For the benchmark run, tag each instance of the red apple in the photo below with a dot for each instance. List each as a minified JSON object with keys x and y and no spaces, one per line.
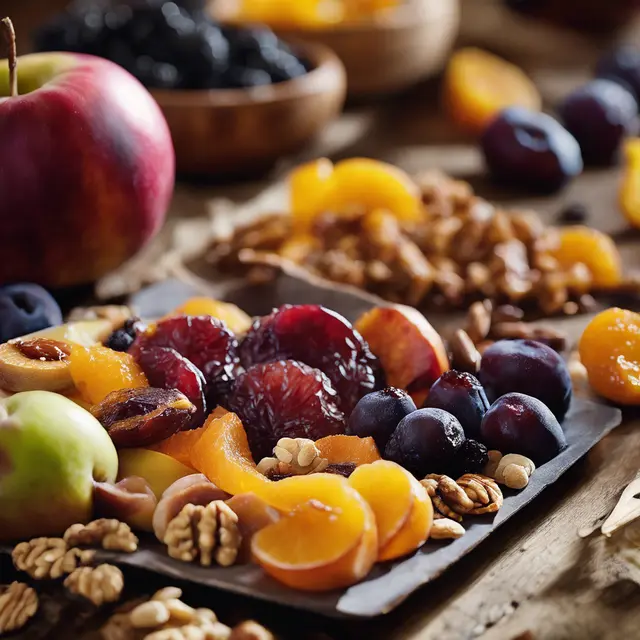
{"x":86,"y":169}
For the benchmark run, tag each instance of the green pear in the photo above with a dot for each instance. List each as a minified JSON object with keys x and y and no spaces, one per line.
{"x":51,"y":453}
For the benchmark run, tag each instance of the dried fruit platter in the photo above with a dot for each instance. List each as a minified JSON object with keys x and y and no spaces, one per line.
{"x":391,"y":582}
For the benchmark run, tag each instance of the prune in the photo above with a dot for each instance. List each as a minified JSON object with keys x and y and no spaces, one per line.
{"x":25,"y":308}
{"x":462,"y":395}
{"x":471,"y":457}
{"x":203,"y":340}
{"x":528,"y":367}
{"x":285,"y":399}
{"x":532,"y":150}
{"x":517,"y":423}
{"x":378,"y":414}
{"x":425,"y":441}
{"x":321,"y":338}
{"x":166,"y":369}
{"x":600,"y":115}
{"x":623,"y":66}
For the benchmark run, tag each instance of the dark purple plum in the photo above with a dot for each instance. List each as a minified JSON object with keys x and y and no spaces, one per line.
{"x":600,"y":115}
{"x":378,"y":414}
{"x":462,"y":395}
{"x":524,"y":148}
{"x":623,"y":66}
{"x":425,"y":442}
{"x":517,"y":423}
{"x":530,"y":367}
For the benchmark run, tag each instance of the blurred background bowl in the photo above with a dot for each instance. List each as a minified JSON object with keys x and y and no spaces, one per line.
{"x":235,"y":132}
{"x":386,"y":54}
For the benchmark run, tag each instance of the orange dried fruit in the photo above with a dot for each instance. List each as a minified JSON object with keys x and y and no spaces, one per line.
{"x":596,"y":250}
{"x":222,"y":453}
{"x":320,"y":546}
{"x":234,"y":317}
{"x":410,"y":350}
{"x":341,"y":449}
{"x":610,"y":351}
{"x":478,"y":85}
{"x":415,"y":531}
{"x":97,"y":371}
{"x":388,"y":489}
{"x":309,"y":186}
{"x":630,"y":187}
{"x":363,"y":184}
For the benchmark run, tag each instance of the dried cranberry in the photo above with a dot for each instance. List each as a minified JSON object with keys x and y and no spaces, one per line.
{"x":166,"y":369}
{"x":321,"y":338}
{"x":285,"y":399}
{"x":205,"y":341}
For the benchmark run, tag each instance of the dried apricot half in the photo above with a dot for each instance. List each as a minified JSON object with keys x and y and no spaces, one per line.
{"x":341,"y":449}
{"x":610,"y":352}
{"x":478,"y":84}
{"x":335,"y":545}
{"x":630,"y":186}
{"x":596,"y":250}
{"x":309,"y":186}
{"x":234,"y":317}
{"x":388,"y":489}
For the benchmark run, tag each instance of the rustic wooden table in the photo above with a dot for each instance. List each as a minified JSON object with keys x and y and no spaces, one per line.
{"x":536,"y":577}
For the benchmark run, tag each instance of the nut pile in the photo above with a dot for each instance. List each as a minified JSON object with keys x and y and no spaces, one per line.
{"x":293,"y":457}
{"x":464,"y":249}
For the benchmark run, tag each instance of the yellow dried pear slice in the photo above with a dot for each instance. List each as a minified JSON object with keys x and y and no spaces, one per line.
{"x":19,"y":372}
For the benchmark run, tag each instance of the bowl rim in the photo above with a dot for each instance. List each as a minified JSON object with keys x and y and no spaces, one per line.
{"x":410,"y":14}
{"x":326,"y":74}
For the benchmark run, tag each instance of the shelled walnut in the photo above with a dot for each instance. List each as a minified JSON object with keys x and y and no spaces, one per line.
{"x":49,"y":558}
{"x":205,"y":533}
{"x":293,"y":456}
{"x":105,"y":532}
{"x":100,"y":584}
{"x":18,"y":604}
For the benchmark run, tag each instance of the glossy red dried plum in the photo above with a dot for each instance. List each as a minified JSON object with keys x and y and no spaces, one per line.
{"x":320,"y":338}
{"x":285,"y":399}
{"x":166,"y":369}
{"x":205,"y":341}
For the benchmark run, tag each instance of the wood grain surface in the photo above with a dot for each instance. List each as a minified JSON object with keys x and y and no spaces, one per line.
{"x":537,"y":577}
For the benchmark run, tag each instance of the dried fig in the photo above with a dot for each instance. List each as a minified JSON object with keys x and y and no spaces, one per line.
{"x":194,"y":489}
{"x":140,"y":417}
{"x":131,"y":500}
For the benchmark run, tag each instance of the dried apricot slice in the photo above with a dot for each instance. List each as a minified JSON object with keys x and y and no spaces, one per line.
{"x":309,"y":186}
{"x":610,"y":351}
{"x":596,"y":250}
{"x":388,"y":489}
{"x":366,"y":184}
{"x":97,"y":371}
{"x":410,"y":350}
{"x":630,"y":186}
{"x":335,"y":544}
{"x":478,"y":84}
{"x":233,"y":316}
{"x":415,"y":531}
{"x":341,"y":449}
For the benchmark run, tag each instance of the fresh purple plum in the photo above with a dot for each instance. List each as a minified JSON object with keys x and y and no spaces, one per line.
{"x":600,"y":115}
{"x":425,"y":442}
{"x":378,"y":414}
{"x":517,"y":423}
{"x":462,"y":395}
{"x":529,"y":367}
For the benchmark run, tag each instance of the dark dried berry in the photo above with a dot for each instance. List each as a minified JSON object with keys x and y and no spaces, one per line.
{"x":203,"y":340}
{"x":285,"y":399}
{"x":119,"y":340}
{"x":471,"y":457}
{"x":341,"y":469}
{"x":321,"y":338}
{"x":573,"y":213}
{"x":166,"y":369}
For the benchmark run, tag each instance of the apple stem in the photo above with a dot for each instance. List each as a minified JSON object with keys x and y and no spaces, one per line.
{"x":10,"y":35}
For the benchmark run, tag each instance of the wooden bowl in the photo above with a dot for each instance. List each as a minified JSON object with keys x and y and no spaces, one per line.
{"x":388,"y":54}
{"x":234,"y":132}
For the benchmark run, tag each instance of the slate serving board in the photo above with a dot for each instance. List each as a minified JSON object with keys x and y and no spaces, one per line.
{"x":390,"y":583}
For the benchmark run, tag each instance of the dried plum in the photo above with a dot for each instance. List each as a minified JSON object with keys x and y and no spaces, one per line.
{"x":320,"y":338}
{"x":285,"y":399}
